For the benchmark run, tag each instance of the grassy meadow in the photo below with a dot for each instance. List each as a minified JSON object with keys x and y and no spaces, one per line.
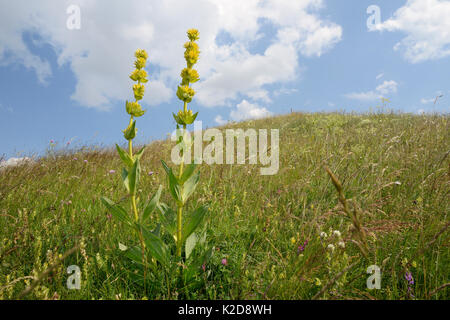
{"x":268,"y":232}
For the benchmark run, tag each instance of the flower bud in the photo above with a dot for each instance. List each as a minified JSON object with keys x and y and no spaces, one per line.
{"x":130,"y":132}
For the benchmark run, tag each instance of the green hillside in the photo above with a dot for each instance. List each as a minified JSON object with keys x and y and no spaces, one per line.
{"x":395,"y":174}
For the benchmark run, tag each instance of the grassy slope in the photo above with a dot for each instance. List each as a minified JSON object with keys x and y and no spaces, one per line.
{"x":45,"y":208}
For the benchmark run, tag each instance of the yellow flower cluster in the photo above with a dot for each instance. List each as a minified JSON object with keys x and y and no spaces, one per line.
{"x":140,"y":76}
{"x":185,"y":93}
{"x":188,"y":76}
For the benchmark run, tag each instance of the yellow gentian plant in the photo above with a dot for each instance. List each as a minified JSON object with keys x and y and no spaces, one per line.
{"x":150,"y":244}
{"x":183,"y":183}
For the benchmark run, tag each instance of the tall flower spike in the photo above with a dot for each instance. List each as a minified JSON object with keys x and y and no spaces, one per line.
{"x":183,"y":118}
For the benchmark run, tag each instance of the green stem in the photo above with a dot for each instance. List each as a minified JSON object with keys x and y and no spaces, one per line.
{"x":136,"y":215}
{"x":180,"y":207}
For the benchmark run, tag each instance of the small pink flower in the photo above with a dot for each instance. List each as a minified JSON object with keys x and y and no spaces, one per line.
{"x":75,"y":159}
{"x":224,"y":262}
{"x":150,"y":173}
{"x":112,"y":171}
{"x":204,"y":267}
{"x":85,"y":161}
{"x":109,"y":216}
{"x":52,"y":141}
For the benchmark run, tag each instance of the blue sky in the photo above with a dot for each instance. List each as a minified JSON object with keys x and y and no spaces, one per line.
{"x":258,"y":58}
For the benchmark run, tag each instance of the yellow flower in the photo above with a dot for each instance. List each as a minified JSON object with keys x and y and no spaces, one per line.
{"x":183,"y":118}
{"x":134,"y":109}
{"x":141,"y":54}
{"x":189,"y":76}
{"x":192,"y":53}
{"x":185,"y":93}
{"x":139,"y":90}
{"x":317,"y":282}
{"x":293,"y":240}
{"x":139,"y":75}
{"x":140,"y":63}
{"x":193,"y":34}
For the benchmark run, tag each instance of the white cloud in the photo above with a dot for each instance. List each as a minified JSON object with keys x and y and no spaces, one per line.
{"x":100,"y":53}
{"x":427,"y":28}
{"x":13,"y":162}
{"x":427,"y":101}
{"x":284,"y":91}
{"x":380,"y":76}
{"x":246,"y":110}
{"x":220,"y":121}
{"x":387,"y":87}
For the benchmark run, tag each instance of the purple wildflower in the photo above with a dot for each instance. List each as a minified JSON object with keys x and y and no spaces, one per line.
{"x":112,"y":171}
{"x":409,"y":278}
{"x":224,"y":262}
{"x":302,"y":247}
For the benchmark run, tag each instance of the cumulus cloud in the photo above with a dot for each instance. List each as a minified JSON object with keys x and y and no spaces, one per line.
{"x":100,"y":53}
{"x":246,"y":110}
{"x":427,"y":29}
{"x":387,"y":87}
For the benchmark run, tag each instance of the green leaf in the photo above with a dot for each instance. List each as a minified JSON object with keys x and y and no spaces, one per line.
{"x":125,"y":179}
{"x":191,"y":241}
{"x":133,"y":177}
{"x":189,"y":170}
{"x":168,"y":217}
{"x":117,"y":211}
{"x":189,"y":187}
{"x":155,"y":246}
{"x":192,"y":222}
{"x":174,"y":187}
{"x":152,"y":204}
{"x":139,"y":154}
{"x":134,"y":254}
{"x":126,"y":159}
